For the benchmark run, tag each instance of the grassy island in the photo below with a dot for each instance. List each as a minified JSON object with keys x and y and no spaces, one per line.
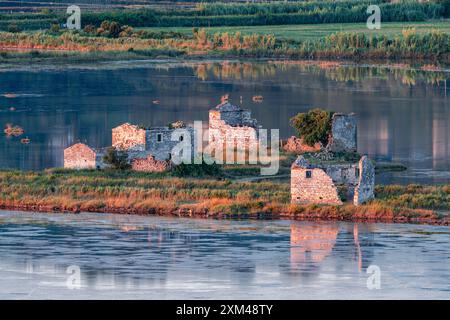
{"x":232,"y":192}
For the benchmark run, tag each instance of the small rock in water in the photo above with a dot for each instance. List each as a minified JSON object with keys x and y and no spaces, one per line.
{"x":11,"y":130}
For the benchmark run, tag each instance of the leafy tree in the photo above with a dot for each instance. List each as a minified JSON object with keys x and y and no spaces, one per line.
{"x":313,"y":126}
{"x":117,"y":159}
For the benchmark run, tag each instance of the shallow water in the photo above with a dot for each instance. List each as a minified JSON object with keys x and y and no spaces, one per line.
{"x":126,"y":257}
{"x":404,"y":115}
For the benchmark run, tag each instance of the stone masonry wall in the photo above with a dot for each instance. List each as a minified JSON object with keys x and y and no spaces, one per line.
{"x":150,"y":164}
{"x":128,"y":137}
{"x":162,"y":149}
{"x":318,"y":189}
{"x":364,"y":191}
{"x":342,"y":173}
{"x":79,"y":156}
{"x":343,"y":133}
{"x":234,"y":128}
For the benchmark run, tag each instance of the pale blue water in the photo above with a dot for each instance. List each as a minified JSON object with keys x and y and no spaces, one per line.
{"x":124,"y":257}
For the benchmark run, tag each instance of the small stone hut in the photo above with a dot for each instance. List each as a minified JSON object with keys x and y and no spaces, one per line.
{"x":81,"y":156}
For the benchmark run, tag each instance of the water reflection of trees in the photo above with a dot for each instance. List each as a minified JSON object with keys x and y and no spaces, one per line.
{"x":332,"y":71}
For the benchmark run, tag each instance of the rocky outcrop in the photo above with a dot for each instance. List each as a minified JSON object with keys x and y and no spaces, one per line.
{"x":296,"y":145}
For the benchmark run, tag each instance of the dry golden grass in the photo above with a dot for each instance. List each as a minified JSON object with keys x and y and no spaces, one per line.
{"x":162,"y":193}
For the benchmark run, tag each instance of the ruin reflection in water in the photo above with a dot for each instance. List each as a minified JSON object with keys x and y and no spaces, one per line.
{"x":153,"y":257}
{"x":403,"y":114}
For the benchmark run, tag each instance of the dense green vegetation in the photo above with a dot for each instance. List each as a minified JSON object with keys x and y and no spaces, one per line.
{"x":302,"y":32}
{"x":313,"y":126}
{"x":116,"y":159}
{"x":241,"y":14}
{"x":115,"y":31}
{"x":410,"y":44}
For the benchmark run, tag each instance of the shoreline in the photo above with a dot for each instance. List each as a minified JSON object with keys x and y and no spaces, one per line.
{"x":33,"y":56}
{"x":186,"y":213}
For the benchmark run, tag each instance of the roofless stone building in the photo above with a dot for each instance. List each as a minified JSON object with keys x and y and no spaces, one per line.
{"x":148,"y":149}
{"x":331,"y":183}
{"x":232,"y":125}
{"x":327,"y":178}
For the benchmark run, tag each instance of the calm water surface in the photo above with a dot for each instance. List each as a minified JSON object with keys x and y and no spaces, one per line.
{"x":128,"y":257}
{"x":404,"y":115}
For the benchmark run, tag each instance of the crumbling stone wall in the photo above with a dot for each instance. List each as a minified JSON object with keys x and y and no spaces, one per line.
{"x":342,"y":173}
{"x":364,"y":191}
{"x":150,"y":164}
{"x":343,"y":133}
{"x":128,"y":137}
{"x":310,"y":184}
{"x":319,"y":188}
{"x":81,"y":156}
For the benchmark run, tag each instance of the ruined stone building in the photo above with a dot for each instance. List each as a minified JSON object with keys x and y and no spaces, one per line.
{"x":148,"y":149}
{"x":323,"y":182}
{"x":231,"y":125}
{"x":155,"y":141}
{"x":81,"y":156}
{"x":324,"y":178}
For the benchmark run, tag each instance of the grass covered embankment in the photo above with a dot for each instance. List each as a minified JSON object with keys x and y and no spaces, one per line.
{"x":221,"y":196}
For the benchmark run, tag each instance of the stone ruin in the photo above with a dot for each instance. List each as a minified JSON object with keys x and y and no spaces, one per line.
{"x":231,"y":125}
{"x":148,"y":149}
{"x":343,"y":137}
{"x":326,"y":179}
{"x":322,"y":182}
{"x":156,"y":141}
{"x":81,"y":156}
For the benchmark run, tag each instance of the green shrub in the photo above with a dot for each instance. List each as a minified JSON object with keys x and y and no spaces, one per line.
{"x":197,"y":170}
{"x":313,"y":126}
{"x":117,"y":159}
